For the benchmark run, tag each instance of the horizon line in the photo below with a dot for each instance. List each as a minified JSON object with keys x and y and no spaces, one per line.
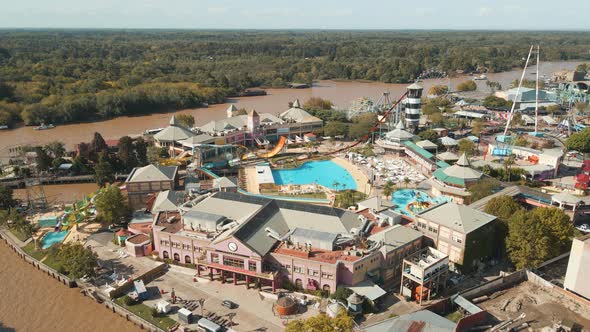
{"x":301,"y":29}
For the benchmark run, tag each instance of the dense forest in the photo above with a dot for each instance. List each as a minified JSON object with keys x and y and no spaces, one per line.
{"x":61,"y":76}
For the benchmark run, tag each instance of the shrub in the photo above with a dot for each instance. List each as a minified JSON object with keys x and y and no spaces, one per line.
{"x":128,"y":300}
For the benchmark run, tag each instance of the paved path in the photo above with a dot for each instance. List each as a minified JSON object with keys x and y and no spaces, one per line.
{"x":357,"y":174}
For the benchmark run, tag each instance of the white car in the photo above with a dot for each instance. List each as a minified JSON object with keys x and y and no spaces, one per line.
{"x":585,"y":228}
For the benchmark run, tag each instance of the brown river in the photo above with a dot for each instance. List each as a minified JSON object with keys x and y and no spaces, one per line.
{"x":31,"y":301}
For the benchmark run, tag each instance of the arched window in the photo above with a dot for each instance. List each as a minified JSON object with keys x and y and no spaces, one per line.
{"x":298,"y":283}
{"x":326,"y":288}
{"x":187,"y":259}
{"x":165,"y":255}
{"x":177,"y":257}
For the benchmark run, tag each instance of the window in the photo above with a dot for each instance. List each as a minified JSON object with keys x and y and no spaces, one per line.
{"x":422,"y":225}
{"x":330,"y":276}
{"x":165,"y":255}
{"x":314,"y":273}
{"x":457,"y":239}
{"x":187,"y":259}
{"x":234,"y":262}
{"x":177,"y":257}
{"x":432,"y":229}
{"x":287,"y":266}
{"x":214,"y":258}
{"x":298,"y":269}
{"x":251,"y":266}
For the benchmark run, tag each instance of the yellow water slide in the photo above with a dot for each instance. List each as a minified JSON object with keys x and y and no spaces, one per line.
{"x":280,"y":145}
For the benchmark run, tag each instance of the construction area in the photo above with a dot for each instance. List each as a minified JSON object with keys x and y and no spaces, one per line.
{"x":530,"y":307}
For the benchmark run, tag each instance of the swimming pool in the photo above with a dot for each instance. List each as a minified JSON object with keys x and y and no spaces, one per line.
{"x":47,"y":222}
{"x":326,"y":173}
{"x":421,"y":201}
{"x":52,"y":238}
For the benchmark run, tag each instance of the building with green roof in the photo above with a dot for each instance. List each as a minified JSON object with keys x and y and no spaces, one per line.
{"x":454,"y":181}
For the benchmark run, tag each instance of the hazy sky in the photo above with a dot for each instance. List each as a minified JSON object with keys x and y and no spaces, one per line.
{"x":297,"y":14}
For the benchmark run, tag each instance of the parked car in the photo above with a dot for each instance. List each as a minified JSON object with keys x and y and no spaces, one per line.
{"x":585,"y":228}
{"x":229,"y":304}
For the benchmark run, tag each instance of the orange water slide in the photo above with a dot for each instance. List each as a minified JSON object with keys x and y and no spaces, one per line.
{"x":280,"y":145}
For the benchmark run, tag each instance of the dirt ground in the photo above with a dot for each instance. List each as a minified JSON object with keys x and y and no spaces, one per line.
{"x":542,"y":308}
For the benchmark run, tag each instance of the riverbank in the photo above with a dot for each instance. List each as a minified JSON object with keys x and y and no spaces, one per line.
{"x":33,"y":301}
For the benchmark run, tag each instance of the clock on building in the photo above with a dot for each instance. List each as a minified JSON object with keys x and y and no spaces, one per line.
{"x":232,"y":246}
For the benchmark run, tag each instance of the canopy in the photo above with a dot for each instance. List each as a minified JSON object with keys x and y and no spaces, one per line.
{"x":368,"y":289}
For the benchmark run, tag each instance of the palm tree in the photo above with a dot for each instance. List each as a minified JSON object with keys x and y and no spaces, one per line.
{"x":335,"y":184}
{"x":407,"y":181}
{"x":388,"y":189}
{"x":508,"y":162}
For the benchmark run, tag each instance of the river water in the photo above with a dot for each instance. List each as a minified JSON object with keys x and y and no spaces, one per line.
{"x":33,"y":301}
{"x":342,"y":93}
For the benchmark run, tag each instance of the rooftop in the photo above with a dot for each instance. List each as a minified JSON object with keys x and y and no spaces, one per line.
{"x":457,"y":217}
{"x":174,"y":132}
{"x":419,"y":321}
{"x":167,"y":200}
{"x":152,"y":173}
{"x":297,"y":114}
{"x":394,"y":237}
{"x":138,"y":239}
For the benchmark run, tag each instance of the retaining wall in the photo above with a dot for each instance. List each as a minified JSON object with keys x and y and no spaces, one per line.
{"x":40,"y":266}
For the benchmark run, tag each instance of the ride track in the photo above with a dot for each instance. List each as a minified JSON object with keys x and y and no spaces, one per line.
{"x":366,"y":136}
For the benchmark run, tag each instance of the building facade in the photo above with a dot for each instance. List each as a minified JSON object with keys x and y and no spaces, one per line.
{"x":149,"y":179}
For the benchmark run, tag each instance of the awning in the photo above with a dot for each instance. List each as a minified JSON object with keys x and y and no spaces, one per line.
{"x":368,"y":289}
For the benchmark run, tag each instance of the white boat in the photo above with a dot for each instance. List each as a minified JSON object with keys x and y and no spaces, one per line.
{"x":2,"y":127}
{"x":153,"y":131}
{"x":44,"y":127}
{"x":481,"y":77}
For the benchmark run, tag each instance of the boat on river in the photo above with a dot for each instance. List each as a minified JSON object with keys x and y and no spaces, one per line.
{"x":481,"y":77}
{"x":44,"y":127}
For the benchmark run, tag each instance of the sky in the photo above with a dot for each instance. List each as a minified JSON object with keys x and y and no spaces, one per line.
{"x":297,"y":14}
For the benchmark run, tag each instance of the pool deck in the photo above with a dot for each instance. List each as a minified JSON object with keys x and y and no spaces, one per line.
{"x":357,"y":174}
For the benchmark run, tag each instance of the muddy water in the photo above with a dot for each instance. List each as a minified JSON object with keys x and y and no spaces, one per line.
{"x":32,"y":301}
{"x":58,"y":193}
{"x":341,"y":93}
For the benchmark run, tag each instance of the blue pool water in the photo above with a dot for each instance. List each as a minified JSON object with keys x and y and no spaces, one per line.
{"x":47,"y":222}
{"x":325,"y":173}
{"x":52,"y":238}
{"x":403,"y":197}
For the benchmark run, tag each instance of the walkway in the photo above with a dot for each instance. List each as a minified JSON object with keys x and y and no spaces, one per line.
{"x":362,"y":181}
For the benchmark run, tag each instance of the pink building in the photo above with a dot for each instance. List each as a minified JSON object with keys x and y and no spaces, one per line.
{"x":252,"y":240}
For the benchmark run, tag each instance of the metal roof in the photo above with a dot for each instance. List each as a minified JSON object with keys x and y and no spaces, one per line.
{"x":167,"y":201}
{"x":368,"y":289}
{"x":152,"y":173}
{"x":394,"y":237}
{"x":298,"y":115}
{"x":461,"y":218}
{"x":423,"y":321}
{"x":426,"y":144}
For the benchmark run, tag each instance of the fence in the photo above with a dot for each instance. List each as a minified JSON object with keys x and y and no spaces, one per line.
{"x":40,"y":266}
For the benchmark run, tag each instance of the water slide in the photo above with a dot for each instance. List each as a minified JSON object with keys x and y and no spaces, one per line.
{"x":280,"y":145}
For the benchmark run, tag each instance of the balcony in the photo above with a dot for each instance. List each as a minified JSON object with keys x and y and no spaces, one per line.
{"x":425,"y":265}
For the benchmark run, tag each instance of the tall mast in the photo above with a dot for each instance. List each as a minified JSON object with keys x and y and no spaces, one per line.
{"x":537,"y":94}
{"x":518,"y":91}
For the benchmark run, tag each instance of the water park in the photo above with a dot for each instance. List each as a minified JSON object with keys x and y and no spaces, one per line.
{"x":65,"y":223}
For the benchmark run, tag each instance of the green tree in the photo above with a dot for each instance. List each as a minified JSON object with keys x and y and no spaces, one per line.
{"x":341,"y":294}
{"x":79,"y":166}
{"x":429,"y":134}
{"x":43,"y":160}
{"x":141,"y":151}
{"x":155,"y":153}
{"x":477,"y":127}
{"x":126,"y":153}
{"x":467,"y":146}
{"x":467,"y":86}
{"x":503,"y":207}
{"x":322,"y":323}
{"x":56,"y":149}
{"x":521,"y":141}
{"x":97,"y":147}
{"x":538,"y":235}
{"x":6,"y":200}
{"x":111,"y":205}
{"x":103,"y":173}
{"x":388,"y":188}
{"x":496,"y":102}
{"x":407,"y":181}
{"x":438,"y":90}
{"x":186,"y":120}
{"x":437,"y":119}
{"x":335,"y":128}
{"x":317,"y":103}
{"x":77,"y":260}
{"x":483,"y":188}
{"x":579,"y":141}
{"x":508,"y":163}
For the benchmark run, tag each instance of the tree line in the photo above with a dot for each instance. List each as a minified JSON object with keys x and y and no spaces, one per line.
{"x":65,"y":76}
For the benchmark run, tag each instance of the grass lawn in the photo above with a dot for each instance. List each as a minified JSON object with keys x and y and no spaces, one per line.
{"x":18,"y":234}
{"x":145,"y":312}
{"x":50,"y":259}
